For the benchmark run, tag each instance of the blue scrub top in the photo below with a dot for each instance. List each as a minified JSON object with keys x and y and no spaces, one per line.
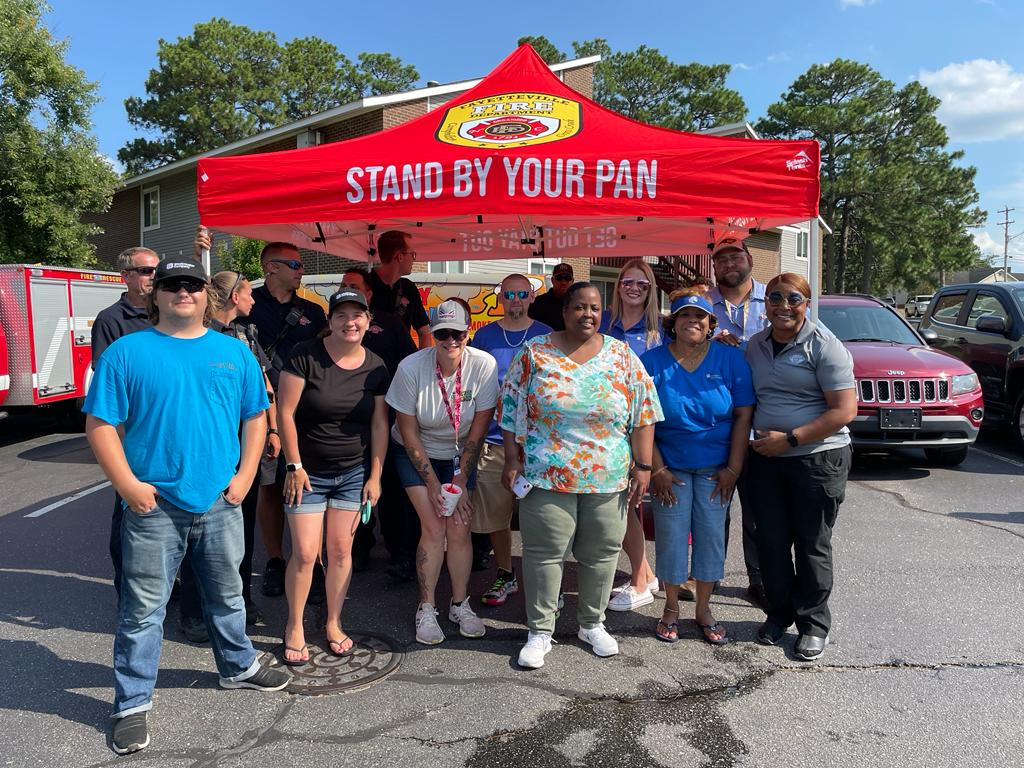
{"x":635,"y":337}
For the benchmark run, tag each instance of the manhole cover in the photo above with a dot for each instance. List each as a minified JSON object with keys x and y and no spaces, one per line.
{"x":373,"y":658}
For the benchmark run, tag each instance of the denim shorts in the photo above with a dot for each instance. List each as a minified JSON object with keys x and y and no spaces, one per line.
{"x":693,"y":513}
{"x":344,"y":492}
{"x":409,"y":477}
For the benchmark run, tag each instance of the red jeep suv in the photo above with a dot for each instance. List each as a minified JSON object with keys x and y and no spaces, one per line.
{"x":908,"y":395}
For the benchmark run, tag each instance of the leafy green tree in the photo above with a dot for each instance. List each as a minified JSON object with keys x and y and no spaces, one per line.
{"x":241,"y":255}
{"x":899,"y":204}
{"x":544,"y":47}
{"x":227,"y":82}
{"x":646,"y":85}
{"x":51,"y":171}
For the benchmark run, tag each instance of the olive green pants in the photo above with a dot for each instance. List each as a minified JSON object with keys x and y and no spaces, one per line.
{"x":548,"y":521}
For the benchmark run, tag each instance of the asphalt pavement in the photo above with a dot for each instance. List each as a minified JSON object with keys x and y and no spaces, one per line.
{"x":925,"y":668}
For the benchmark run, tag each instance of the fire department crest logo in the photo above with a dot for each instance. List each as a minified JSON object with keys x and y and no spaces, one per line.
{"x":510,"y":120}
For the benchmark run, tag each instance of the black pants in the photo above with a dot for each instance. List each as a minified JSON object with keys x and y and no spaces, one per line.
{"x":796,"y":501}
{"x":115,"y":543}
{"x":191,"y":605}
{"x":750,"y":557}
{"x":399,"y":524}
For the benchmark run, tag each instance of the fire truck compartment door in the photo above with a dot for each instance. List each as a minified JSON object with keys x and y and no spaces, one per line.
{"x":51,"y":337}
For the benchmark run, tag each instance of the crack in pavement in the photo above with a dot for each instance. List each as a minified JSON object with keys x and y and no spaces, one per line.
{"x":903,"y":502}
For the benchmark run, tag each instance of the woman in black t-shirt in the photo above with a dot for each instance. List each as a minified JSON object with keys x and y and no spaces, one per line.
{"x":334,"y":431}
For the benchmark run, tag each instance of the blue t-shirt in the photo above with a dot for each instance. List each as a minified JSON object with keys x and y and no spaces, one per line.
{"x":181,"y":402}
{"x":698,"y":406}
{"x":636,"y":336}
{"x":503,"y":346}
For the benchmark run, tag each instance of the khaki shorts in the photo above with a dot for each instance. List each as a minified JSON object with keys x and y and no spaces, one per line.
{"x":492,"y":503}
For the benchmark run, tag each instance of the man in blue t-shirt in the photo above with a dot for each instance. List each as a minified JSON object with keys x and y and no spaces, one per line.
{"x":493,"y":503}
{"x":179,"y":391}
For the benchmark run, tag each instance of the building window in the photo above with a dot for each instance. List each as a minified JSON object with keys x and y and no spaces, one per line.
{"x":542,"y":266}
{"x":151,"y":208}
{"x":446,"y":267}
{"x":803,"y":244}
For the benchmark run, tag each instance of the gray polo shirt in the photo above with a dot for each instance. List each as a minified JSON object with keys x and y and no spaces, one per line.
{"x":790,"y":388}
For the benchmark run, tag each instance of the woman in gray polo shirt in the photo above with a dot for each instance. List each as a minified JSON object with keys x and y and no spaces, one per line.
{"x":799,"y":461}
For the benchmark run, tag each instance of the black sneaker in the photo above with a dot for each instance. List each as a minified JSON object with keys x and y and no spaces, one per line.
{"x":130,"y":733}
{"x":265,"y":679}
{"x":273,"y":577}
{"x":318,"y":587}
{"x":810,"y":647}
{"x":402,"y":570}
{"x":770,"y":633}
{"x":253,"y":616}
{"x":194,"y":629}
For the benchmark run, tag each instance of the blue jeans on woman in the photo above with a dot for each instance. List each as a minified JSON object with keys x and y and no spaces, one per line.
{"x":693,"y":513}
{"x":152,"y":547}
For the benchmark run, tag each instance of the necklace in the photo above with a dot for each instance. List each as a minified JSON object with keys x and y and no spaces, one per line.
{"x":508,"y":342}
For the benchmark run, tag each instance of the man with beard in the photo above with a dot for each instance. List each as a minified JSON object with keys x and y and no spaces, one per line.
{"x":738,"y":300}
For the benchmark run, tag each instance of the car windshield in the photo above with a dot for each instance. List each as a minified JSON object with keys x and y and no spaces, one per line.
{"x":866,"y":323}
{"x":1018,"y":295}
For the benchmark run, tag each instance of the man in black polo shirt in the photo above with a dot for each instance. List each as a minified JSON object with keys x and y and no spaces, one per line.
{"x":547,"y":308}
{"x":395,"y":293}
{"x":388,"y":338}
{"x":127,"y":315}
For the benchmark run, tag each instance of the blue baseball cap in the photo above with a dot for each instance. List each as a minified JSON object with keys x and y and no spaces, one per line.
{"x":700,"y":302}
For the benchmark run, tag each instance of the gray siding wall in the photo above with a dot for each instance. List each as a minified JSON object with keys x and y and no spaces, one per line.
{"x":179,"y":216}
{"x":788,"y":260}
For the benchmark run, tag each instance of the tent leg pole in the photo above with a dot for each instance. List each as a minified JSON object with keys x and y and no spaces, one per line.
{"x":812,"y":263}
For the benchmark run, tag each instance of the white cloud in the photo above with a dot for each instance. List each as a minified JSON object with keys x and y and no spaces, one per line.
{"x":116,"y":165}
{"x":993,"y":246}
{"x":741,"y":66}
{"x":982,"y":100}
{"x":844,"y":4}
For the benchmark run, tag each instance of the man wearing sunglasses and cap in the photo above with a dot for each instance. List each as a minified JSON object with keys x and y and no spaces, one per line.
{"x":548,"y":306}
{"x":493,"y":502}
{"x":179,"y":391}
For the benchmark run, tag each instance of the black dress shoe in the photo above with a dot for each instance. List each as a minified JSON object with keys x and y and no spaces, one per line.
{"x":402,"y":570}
{"x":273,"y":577}
{"x":253,"y":616}
{"x":810,"y":647}
{"x":757,"y":596}
{"x":770,"y":633}
{"x":194,"y":630}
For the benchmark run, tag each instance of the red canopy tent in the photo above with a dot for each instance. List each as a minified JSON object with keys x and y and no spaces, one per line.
{"x":520,"y":165}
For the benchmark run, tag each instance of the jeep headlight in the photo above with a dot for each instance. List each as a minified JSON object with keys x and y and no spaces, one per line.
{"x":964,"y":383}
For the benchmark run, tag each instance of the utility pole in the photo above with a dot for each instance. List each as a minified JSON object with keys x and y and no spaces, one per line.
{"x":1005,"y":224}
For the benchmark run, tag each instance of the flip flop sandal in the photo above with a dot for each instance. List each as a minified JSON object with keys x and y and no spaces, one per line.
{"x":713,"y":629}
{"x":294,"y":662}
{"x":670,"y":634}
{"x":337,"y":647}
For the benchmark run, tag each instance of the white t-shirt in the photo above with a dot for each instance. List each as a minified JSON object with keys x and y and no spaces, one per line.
{"x":414,"y":391}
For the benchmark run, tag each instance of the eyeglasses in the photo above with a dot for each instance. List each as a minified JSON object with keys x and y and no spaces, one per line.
{"x":146,"y":271}
{"x":448,"y":333}
{"x":640,"y":285}
{"x":509,"y":295}
{"x":293,"y":264}
{"x":174,"y":285}
{"x":729,"y":258}
{"x":409,"y":253}
{"x":775,"y":298}
{"x":563,"y":278}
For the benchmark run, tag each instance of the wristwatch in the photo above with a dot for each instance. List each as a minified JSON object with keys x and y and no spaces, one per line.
{"x":642,"y":467}
{"x":293,"y":467}
{"x":791,"y":439}
{"x":273,"y":431}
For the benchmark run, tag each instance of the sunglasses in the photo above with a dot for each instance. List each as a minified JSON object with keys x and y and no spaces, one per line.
{"x":147,"y":271}
{"x":640,"y":285}
{"x":448,"y":333}
{"x":509,"y":295}
{"x":775,"y":298}
{"x":409,"y":253}
{"x":562,"y":278}
{"x":174,"y":286}
{"x":238,"y":282}
{"x":293,"y":264}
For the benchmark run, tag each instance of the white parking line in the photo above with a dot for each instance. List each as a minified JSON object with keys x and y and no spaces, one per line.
{"x":73,"y":497}
{"x":997,"y":456}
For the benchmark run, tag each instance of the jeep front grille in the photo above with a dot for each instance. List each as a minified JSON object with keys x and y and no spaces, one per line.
{"x":903,"y":390}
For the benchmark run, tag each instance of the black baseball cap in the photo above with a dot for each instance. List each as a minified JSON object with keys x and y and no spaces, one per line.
{"x":179,"y":267}
{"x":347,"y":295}
{"x":562,"y":269}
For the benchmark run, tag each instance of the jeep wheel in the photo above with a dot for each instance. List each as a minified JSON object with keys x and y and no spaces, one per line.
{"x":946,"y":457}
{"x":1017,"y":423}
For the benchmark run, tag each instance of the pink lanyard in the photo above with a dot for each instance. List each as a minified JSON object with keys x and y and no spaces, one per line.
{"x":455,"y":416}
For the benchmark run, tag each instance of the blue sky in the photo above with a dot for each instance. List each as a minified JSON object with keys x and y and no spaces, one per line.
{"x":969,"y":52}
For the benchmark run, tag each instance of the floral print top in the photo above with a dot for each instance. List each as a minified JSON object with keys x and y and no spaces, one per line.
{"x":573,"y":419}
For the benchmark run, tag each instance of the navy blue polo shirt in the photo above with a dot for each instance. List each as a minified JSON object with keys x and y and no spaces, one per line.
{"x":117,"y":320}
{"x":268,"y":315}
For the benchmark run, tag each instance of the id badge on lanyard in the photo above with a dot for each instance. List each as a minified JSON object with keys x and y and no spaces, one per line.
{"x":454,"y":414}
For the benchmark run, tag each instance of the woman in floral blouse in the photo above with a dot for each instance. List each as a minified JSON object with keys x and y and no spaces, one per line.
{"x":581,"y":408}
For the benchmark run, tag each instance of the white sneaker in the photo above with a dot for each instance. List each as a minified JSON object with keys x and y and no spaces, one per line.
{"x":630,"y":598}
{"x":653,"y":587}
{"x":469,"y":623}
{"x":599,"y":639}
{"x":537,"y":646}
{"x":428,"y":631}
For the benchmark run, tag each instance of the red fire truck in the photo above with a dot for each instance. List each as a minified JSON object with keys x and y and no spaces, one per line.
{"x":46,"y":317}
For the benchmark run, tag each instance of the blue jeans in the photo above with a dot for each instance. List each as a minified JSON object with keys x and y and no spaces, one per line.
{"x":693,"y":513}
{"x":152,"y":548}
